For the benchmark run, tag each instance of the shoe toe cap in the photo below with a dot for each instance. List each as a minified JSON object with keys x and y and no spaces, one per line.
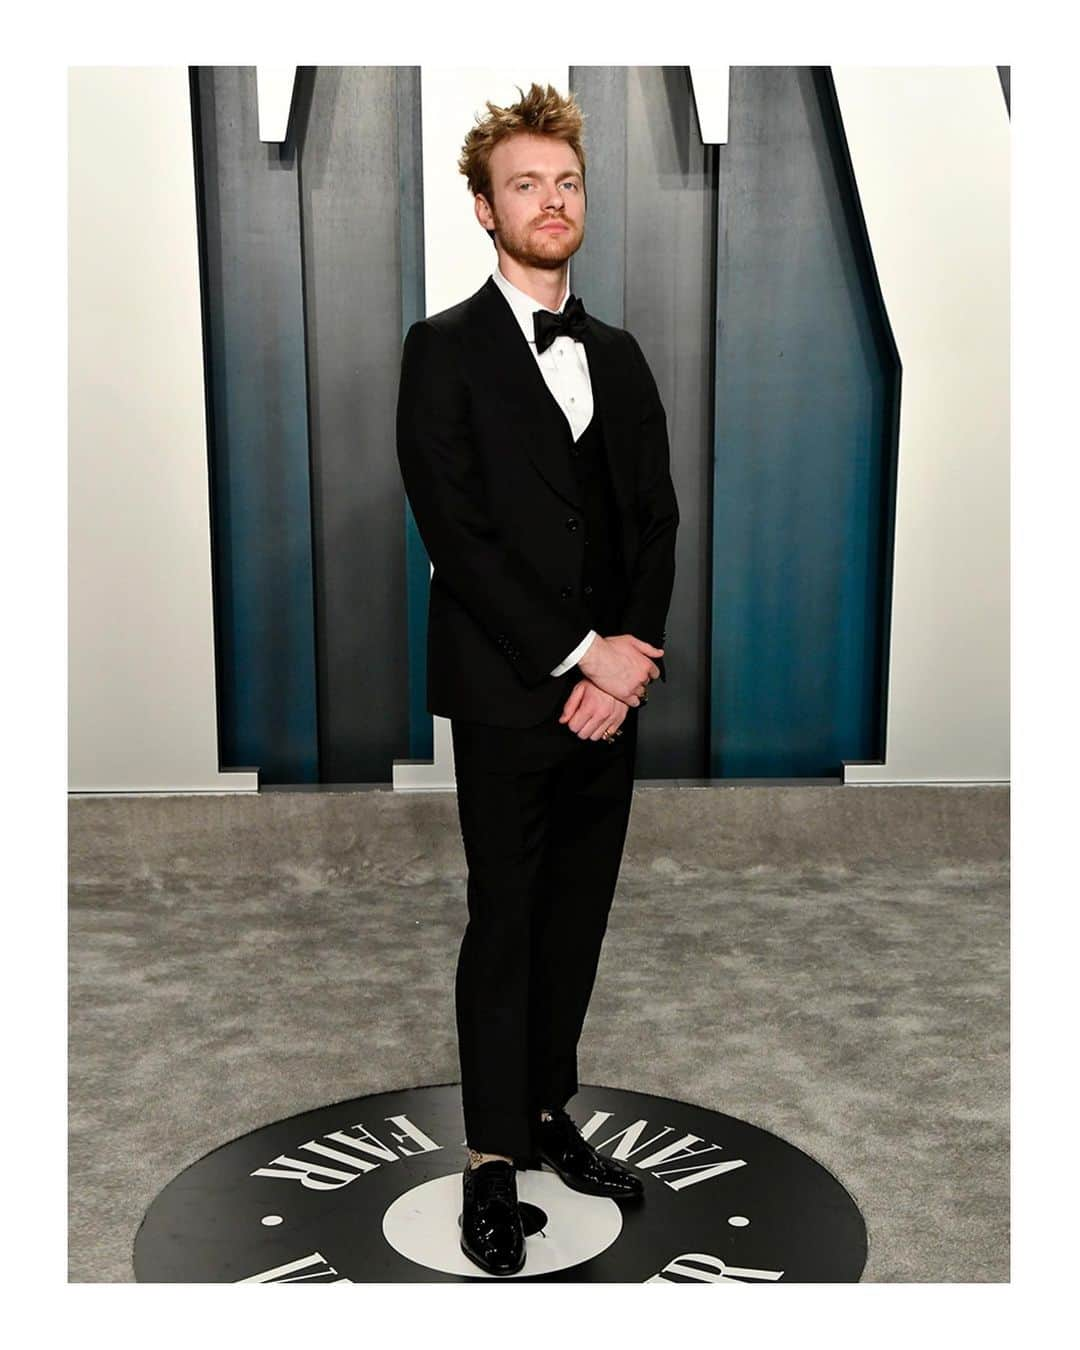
{"x":500,"y":1259}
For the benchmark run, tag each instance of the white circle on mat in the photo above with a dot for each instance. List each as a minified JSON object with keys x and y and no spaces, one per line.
{"x":423,"y":1226}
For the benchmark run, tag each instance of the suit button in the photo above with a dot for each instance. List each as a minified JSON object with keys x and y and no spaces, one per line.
{"x":565,"y":593}
{"x":588,"y":590}
{"x":571,"y":524}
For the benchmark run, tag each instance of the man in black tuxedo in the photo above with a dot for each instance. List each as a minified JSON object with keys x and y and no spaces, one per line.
{"x":533,"y":448}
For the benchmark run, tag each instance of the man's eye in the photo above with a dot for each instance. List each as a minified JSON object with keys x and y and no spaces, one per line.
{"x":570,"y":183}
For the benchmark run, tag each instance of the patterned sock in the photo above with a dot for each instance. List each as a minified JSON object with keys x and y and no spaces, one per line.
{"x":476,"y":1158}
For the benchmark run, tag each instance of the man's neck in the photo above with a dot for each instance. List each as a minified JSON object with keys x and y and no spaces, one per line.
{"x":546,"y":287}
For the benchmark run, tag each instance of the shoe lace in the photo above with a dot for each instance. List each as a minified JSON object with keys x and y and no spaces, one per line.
{"x":499,"y":1181}
{"x":563,"y":1124}
{"x":569,"y":1137}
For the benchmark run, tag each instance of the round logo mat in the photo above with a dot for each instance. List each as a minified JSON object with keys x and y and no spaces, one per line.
{"x":369,"y":1190}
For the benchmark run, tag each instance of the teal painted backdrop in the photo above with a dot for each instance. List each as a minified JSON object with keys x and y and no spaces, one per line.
{"x":744,"y":272}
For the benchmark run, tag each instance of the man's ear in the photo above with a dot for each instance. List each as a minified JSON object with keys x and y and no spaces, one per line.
{"x":483,"y":211}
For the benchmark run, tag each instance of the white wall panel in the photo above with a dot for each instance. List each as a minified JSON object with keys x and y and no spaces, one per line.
{"x":142,"y":702}
{"x":930,"y":151}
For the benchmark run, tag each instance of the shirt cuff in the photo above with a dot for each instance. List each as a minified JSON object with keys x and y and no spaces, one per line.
{"x":576,"y":655}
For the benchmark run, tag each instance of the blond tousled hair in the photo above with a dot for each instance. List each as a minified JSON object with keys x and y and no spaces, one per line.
{"x":540,"y":112}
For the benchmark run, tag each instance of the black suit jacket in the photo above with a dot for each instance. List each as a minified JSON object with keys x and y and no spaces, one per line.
{"x":482,"y":446}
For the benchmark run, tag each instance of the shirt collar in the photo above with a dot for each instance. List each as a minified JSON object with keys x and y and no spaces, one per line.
{"x":524,"y":306}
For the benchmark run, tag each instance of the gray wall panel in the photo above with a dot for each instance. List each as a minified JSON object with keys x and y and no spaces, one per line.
{"x":806,"y":385}
{"x":410,"y":145}
{"x":249,"y":234}
{"x":353,"y":303}
{"x":598,"y":269}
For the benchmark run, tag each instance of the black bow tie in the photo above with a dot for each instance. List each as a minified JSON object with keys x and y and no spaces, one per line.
{"x":570,"y":323}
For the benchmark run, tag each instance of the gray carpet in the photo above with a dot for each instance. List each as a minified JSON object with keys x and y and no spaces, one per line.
{"x":829,"y":963}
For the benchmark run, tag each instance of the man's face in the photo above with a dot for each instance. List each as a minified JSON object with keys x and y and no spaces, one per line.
{"x":538,"y":211}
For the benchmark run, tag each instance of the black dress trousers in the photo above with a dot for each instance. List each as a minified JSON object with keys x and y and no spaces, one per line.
{"x":543,"y":819}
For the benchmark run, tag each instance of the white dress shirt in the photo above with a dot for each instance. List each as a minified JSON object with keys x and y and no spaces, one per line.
{"x":565,"y":369}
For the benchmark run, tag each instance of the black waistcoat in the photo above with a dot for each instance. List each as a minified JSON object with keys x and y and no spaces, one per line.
{"x":603,"y":577}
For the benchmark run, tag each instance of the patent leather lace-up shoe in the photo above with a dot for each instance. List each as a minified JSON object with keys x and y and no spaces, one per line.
{"x":561,"y":1146}
{"x":491,"y":1232}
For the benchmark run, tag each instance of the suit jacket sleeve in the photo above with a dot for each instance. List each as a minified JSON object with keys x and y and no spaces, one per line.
{"x":497,"y":585}
{"x":658,"y":517}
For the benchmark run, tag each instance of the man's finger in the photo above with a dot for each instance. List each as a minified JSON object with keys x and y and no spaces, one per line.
{"x":571,"y":704}
{"x":583,"y":715}
{"x":590,"y":726}
{"x":587,"y":715}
